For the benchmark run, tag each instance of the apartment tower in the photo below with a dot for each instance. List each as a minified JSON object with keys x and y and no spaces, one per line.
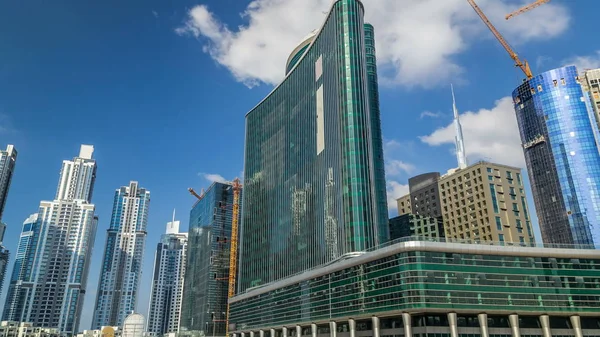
{"x":121,"y":271}
{"x":559,"y":136}
{"x":167,"y":282}
{"x":49,"y":278}
{"x":8,"y":160}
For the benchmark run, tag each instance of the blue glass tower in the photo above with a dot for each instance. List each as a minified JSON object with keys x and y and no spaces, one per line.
{"x":559,"y":139}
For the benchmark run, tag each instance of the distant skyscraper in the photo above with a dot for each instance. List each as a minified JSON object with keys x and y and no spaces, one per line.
{"x":123,"y":256}
{"x":49,"y":279}
{"x":559,"y":136}
{"x":461,"y":155}
{"x":167,"y":282}
{"x":8,"y":159}
{"x":592,"y":87}
{"x":314,"y":170}
{"x":207,"y":267}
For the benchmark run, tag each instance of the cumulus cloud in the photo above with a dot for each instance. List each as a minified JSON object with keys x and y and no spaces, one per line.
{"x":213,"y":177}
{"x":585,"y":62}
{"x":397,"y":167}
{"x":417,"y":40}
{"x":395,"y":190}
{"x":490,"y":134}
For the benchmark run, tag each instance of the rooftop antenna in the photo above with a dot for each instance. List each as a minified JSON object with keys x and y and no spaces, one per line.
{"x":461,"y":156}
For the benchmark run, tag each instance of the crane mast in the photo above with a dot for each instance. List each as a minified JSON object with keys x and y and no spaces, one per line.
{"x":523,"y":65}
{"x":237,"y":187}
{"x":526,"y":8}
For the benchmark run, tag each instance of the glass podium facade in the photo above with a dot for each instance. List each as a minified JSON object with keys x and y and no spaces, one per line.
{"x":314,"y":171}
{"x":427,"y":276}
{"x":559,"y":137}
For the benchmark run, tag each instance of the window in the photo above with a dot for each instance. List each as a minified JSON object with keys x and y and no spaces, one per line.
{"x":494,"y":199}
{"x":509,"y":175}
{"x":519,"y":179}
{"x":489,"y":169}
{"x":501,"y":238}
{"x":490,"y":178}
{"x":498,"y":223}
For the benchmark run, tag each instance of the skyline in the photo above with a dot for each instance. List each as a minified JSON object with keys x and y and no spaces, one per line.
{"x":36,"y":144}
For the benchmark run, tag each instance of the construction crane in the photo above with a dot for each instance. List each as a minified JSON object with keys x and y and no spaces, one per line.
{"x":523,"y":65}
{"x":237,"y":188}
{"x":192,"y":192}
{"x":526,"y":8}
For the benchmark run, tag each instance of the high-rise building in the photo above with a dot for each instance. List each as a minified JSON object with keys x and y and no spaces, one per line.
{"x":207,"y":267}
{"x":121,"y":271}
{"x":482,"y":202}
{"x":49,"y":279}
{"x":314,"y":176}
{"x":591,"y":85}
{"x":486,"y":202}
{"x":167,"y":282}
{"x":461,"y":154}
{"x":424,"y":196}
{"x":560,"y":140}
{"x":8,"y":159}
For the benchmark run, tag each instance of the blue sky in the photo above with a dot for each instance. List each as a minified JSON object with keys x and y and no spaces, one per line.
{"x":161,"y":88}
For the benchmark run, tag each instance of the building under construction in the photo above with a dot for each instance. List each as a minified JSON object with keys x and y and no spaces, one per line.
{"x":204,"y":308}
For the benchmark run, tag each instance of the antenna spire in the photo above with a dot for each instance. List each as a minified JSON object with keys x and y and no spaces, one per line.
{"x":461,"y":155}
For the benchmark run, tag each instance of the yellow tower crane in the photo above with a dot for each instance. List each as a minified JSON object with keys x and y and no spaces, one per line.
{"x":523,"y":65}
{"x":526,"y":8}
{"x":237,"y":188}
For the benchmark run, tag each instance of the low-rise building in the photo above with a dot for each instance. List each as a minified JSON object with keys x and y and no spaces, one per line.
{"x":418,"y":288}
{"x":416,"y":226}
{"x":25,"y":329}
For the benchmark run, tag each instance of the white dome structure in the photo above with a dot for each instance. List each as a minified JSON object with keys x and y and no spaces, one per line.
{"x":134,"y":326}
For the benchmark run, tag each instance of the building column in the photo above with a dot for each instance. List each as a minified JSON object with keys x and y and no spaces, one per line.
{"x":453,"y":325}
{"x":272,"y":332}
{"x":242,"y":334}
{"x":313,"y":330}
{"x":375,"y":323}
{"x":514,"y":325}
{"x":261,"y":333}
{"x":545,"y":324}
{"x":576,"y":324}
{"x":332,"y":329}
{"x":352,"y":326}
{"x":283,"y":332}
{"x":483,"y":325}
{"x":251,"y":333}
{"x":407,"y":324}
{"x":298,"y":331}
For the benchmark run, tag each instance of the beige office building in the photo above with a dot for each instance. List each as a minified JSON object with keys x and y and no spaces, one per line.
{"x":591,"y":85}
{"x":483,"y":202}
{"x":486,"y":202}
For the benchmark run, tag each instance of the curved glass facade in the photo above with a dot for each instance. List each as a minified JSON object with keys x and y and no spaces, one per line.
{"x":561,"y":151}
{"x":314,"y":179}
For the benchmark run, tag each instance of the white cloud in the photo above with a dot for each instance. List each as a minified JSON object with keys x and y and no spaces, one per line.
{"x":397,"y":167}
{"x":418,"y":40}
{"x":213,"y":177}
{"x":395,"y":190}
{"x":490,"y":134}
{"x":431,"y":114}
{"x":585,"y":62}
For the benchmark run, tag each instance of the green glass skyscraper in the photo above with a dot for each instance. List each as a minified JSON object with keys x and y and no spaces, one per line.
{"x":314,"y":173}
